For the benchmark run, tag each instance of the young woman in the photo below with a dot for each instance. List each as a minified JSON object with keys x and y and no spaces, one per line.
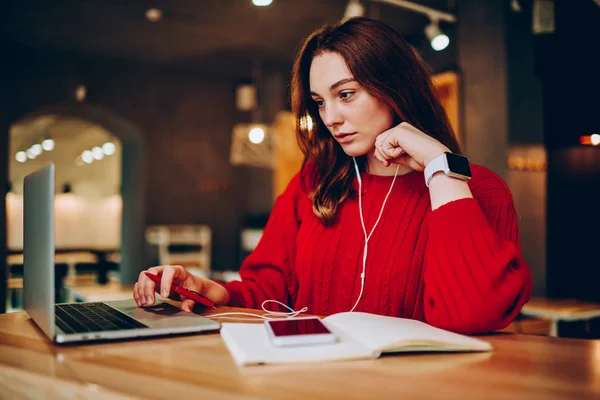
{"x":382,"y":218}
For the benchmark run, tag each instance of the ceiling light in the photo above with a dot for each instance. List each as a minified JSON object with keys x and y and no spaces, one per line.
{"x":81,"y":93}
{"x":590,"y":140}
{"x":245,"y":97}
{"x":108,"y":148}
{"x":21,"y":156}
{"x":97,"y":153}
{"x":354,"y":9}
{"x":37,"y":149}
{"x":256,"y":135}
{"x":439,"y":40}
{"x":48,"y":144}
{"x":262,"y":3}
{"x":154,"y":14}
{"x":30,"y":154}
{"x":87,"y":157}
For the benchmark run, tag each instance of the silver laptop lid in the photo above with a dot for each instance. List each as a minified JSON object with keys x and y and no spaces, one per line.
{"x":38,"y":248}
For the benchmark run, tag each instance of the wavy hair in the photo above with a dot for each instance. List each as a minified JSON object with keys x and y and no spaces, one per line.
{"x":389,"y":69}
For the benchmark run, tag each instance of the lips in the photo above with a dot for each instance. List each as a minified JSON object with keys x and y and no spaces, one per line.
{"x":344,"y":137}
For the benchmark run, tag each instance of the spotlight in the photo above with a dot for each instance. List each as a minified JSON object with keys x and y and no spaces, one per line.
{"x":437,"y":38}
{"x":81,"y":92}
{"x":48,"y":144}
{"x":354,"y":9}
{"x":262,"y":3}
{"x":108,"y":148}
{"x":256,"y":135}
{"x":97,"y":153}
{"x":154,"y":14}
{"x":37,"y":149}
{"x":87,"y":157}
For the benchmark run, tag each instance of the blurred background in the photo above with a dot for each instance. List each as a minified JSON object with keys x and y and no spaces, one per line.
{"x":169,"y":123}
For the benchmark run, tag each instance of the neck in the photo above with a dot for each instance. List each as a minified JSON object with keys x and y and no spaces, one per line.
{"x":376,"y":167}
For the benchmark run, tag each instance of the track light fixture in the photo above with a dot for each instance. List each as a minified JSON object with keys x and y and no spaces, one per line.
{"x":438,"y":39}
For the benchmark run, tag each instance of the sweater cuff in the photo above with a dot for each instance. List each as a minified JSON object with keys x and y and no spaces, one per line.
{"x":236,"y":294}
{"x":457,"y":215}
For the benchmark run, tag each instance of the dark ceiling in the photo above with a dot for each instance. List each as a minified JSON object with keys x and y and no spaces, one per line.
{"x":190,"y":30}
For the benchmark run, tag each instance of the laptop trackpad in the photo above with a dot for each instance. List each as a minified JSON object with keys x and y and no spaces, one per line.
{"x":160,"y":315}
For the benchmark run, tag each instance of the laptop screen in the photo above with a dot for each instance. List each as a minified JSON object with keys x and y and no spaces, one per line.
{"x":38,"y":248}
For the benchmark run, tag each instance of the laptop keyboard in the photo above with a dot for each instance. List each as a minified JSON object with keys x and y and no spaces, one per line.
{"x":92,"y":317}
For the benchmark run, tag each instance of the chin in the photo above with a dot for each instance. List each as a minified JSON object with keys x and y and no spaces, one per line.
{"x":355,"y":149}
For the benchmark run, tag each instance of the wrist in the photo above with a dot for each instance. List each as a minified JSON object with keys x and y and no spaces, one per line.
{"x":432,"y":155}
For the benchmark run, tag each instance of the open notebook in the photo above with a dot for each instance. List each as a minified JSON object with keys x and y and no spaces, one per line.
{"x":361,"y":336}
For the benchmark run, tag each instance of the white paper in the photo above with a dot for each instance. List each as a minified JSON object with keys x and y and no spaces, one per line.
{"x":382,"y":333}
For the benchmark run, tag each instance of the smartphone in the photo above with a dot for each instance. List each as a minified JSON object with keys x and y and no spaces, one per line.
{"x":299,"y":332}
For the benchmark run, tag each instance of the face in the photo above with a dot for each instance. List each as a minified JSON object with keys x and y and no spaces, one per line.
{"x":353,"y":116}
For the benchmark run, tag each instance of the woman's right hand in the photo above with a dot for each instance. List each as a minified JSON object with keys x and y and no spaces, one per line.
{"x":144,"y":288}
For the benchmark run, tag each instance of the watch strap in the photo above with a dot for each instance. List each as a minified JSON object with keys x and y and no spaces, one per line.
{"x":436,"y":165}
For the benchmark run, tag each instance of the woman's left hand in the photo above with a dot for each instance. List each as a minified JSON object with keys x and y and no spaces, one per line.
{"x":404,"y":144}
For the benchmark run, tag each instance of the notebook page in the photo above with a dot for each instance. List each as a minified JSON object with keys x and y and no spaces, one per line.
{"x":395,"y":334}
{"x":249,"y":344}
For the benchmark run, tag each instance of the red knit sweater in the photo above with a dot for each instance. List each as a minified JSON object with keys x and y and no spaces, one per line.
{"x":458,"y":267}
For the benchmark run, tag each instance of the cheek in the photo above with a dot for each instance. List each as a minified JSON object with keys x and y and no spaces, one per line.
{"x":374,"y":117}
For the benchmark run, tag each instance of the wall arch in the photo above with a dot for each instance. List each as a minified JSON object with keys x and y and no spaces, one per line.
{"x":133,"y":177}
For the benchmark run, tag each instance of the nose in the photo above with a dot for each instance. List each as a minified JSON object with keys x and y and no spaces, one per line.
{"x":331,"y":117}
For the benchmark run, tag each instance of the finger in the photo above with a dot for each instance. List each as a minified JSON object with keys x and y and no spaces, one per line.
{"x":410,"y":162}
{"x":397,"y":152}
{"x":384,"y":157}
{"x":171,"y":273}
{"x":147,"y":286}
{"x":187,"y":305}
{"x":136,"y":296}
{"x":381,"y":157}
{"x":391,"y":151}
{"x":142,"y":282}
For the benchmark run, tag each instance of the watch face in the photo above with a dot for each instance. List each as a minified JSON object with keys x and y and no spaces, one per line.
{"x":458,"y":164}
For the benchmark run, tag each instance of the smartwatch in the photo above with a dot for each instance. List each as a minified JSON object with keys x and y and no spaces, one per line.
{"x":453,"y":165}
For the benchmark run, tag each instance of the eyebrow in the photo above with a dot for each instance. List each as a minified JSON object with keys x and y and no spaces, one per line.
{"x":338,"y":83}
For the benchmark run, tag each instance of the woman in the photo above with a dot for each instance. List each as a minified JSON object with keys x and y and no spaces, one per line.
{"x":372,"y":222}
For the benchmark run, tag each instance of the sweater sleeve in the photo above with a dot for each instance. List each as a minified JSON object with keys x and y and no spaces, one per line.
{"x":475,"y":278}
{"x":267,"y":273}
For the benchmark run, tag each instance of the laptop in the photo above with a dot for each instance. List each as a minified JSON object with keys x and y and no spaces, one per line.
{"x":82,"y":322}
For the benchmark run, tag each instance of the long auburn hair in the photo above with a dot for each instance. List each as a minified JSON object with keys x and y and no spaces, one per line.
{"x":388,"y":68}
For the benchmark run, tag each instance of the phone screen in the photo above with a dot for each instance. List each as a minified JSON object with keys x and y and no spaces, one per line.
{"x":295,"y":327}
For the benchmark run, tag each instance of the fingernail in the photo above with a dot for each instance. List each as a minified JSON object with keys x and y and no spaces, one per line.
{"x":164,"y":294}
{"x":148,"y":300}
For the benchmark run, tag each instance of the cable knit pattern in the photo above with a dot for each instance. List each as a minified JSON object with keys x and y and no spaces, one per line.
{"x":458,"y":267}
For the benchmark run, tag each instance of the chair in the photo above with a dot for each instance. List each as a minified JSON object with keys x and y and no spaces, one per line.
{"x":185,"y":245}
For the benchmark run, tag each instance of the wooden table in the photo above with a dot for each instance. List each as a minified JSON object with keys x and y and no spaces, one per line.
{"x":200,"y":367}
{"x":557,"y":310}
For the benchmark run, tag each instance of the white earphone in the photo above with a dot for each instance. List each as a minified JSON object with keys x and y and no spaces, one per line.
{"x":292,"y":313}
{"x":362,"y":221}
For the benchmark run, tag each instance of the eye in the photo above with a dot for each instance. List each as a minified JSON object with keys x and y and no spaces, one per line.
{"x":320,"y":103}
{"x":346,"y":95}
